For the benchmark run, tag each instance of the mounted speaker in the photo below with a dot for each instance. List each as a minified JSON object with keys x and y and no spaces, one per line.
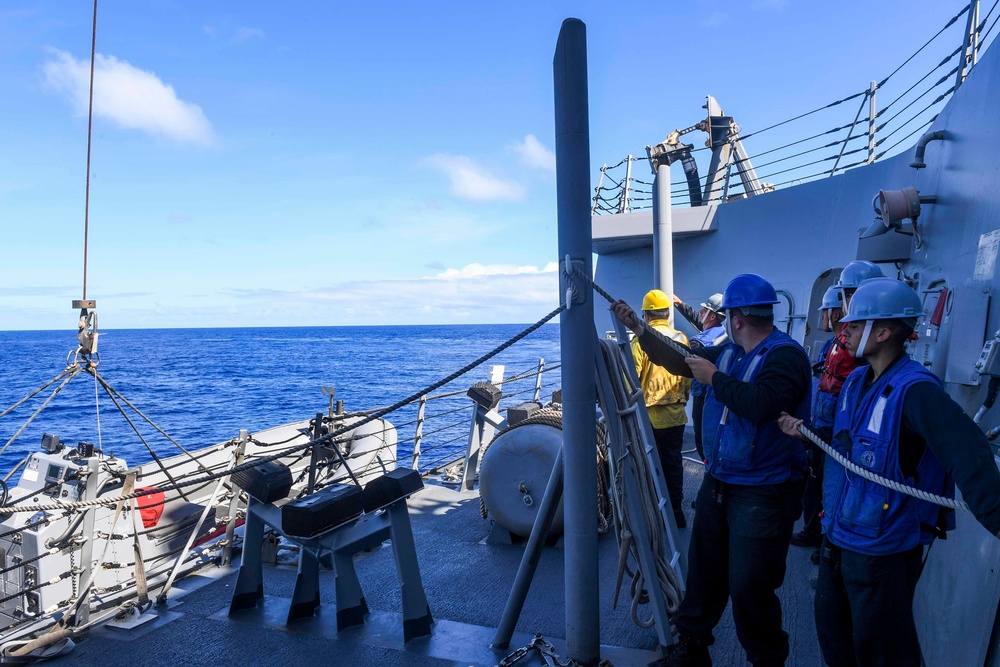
{"x":897,"y":205}
{"x":892,"y":207}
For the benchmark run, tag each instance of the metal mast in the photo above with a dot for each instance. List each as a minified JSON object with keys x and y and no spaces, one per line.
{"x":578,"y":342}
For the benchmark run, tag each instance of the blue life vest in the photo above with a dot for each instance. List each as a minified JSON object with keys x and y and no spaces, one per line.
{"x":861,"y":515}
{"x":743,"y":451}
{"x":823,"y":403}
{"x":707,"y":338}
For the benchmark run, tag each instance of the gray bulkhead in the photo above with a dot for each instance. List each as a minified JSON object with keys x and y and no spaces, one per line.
{"x":801,"y":236}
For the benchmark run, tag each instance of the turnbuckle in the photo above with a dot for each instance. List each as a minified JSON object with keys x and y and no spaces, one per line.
{"x":86,"y":335}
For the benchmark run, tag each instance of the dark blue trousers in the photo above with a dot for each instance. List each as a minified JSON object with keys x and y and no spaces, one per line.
{"x":864,"y":608}
{"x":739,"y":543}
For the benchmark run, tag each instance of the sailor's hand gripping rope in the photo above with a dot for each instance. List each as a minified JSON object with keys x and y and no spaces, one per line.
{"x":795,"y":427}
{"x":572,"y":270}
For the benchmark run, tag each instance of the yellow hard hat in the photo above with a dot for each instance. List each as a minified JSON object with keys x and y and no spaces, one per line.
{"x":656,"y":300}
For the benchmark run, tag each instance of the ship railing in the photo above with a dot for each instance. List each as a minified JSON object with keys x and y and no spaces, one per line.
{"x":441,"y":423}
{"x":877,"y":121}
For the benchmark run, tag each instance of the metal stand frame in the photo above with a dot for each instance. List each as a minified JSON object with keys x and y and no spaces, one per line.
{"x":481,"y":430}
{"x":336,"y":548}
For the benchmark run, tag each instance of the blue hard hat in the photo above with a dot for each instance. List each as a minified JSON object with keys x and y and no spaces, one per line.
{"x":831,"y":298}
{"x":857,"y":272}
{"x":884,"y":299}
{"x":748,"y":289}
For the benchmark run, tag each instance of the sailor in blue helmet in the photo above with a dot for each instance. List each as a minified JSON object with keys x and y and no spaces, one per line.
{"x":853,"y":275}
{"x":894,"y":418}
{"x":709,"y":323}
{"x":822,"y":412}
{"x":837,"y":364}
{"x":750,"y":496}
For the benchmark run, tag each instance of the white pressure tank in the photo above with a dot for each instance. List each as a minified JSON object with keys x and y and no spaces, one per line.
{"x":515,"y":471}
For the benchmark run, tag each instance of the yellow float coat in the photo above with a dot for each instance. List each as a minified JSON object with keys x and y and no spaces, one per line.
{"x":665,"y":394}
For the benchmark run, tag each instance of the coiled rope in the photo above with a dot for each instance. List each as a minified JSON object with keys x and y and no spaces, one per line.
{"x":630,"y":453}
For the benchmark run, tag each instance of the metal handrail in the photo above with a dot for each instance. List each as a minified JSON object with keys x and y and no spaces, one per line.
{"x":425,"y":426}
{"x":619,"y":195}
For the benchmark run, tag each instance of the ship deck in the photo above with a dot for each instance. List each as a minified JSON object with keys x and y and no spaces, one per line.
{"x":466,"y":582}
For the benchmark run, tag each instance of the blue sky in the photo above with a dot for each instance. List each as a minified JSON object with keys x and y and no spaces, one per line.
{"x":332,"y":163}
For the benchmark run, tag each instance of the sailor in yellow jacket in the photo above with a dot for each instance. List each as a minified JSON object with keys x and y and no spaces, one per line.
{"x":666,"y":397}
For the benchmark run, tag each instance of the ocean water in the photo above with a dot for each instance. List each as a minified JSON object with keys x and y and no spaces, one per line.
{"x":201,"y":386}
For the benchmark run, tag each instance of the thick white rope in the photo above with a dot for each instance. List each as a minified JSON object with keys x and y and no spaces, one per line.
{"x":882,"y":481}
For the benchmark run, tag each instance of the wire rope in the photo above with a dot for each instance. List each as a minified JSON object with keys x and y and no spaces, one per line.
{"x":90,"y":134}
{"x":917,"y":52}
{"x":37,"y":391}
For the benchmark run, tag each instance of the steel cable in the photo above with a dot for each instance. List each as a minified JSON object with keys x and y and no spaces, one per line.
{"x":936,"y":35}
{"x":896,"y":115}
{"x":37,"y":391}
{"x":808,"y":113}
{"x":920,"y":81}
{"x":918,"y":129}
{"x":984,"y":35}
{"x":111,"y":390}
{"x":73,"y":372}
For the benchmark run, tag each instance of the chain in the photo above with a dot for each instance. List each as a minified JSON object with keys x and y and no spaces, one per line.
{"x":546,"y":650}
{"x":75,"y":580}
{"x":516,"y":655}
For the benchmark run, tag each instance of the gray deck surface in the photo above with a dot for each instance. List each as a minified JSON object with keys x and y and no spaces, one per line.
{"x":466,"y":581}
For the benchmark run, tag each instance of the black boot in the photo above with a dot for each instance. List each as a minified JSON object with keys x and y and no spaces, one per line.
{"x":684,"y":653}
{"x":804,"y":538}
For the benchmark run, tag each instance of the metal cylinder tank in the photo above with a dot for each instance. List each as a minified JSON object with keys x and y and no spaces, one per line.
{"x":516,"y":469}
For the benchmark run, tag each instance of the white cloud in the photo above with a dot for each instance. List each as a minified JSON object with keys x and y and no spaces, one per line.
{"x":131,"y":97}
{"x":473,"y":293}
{"x":534,"y":155}
{"x":470,"y":180}
{"x":479,"y":270}
{"x":244,"y":33}
{"x":714,"y":20}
